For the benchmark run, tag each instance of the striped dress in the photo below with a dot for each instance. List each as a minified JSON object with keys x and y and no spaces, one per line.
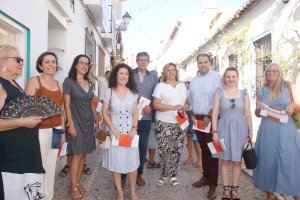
{"x":121,"y":159}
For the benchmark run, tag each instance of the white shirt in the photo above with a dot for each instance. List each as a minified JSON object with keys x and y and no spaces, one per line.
{"x":169,"y":95}
{"x":103,"y":86}
{"x":202,"y":90}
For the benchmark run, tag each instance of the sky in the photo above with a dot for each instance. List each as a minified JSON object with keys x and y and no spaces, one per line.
{"x":153,"y":21}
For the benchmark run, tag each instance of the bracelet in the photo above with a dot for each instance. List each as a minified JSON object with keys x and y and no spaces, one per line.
{"x":69,"y":123}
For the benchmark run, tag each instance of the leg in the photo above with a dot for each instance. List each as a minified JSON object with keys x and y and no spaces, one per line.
{"x":74,"y":171}
{"x":198,"y":152}
{"x":225,"y":178}
{"x":117,"y":179}
{"x":212,"y":163}
{"x":64,"y":172}
{"x":202,"y":142}
{"x":236,"y":180}
{"x":177,"y":143}
{"x":80,"y":171}
{"x":151,"y":155}
{"x":132,"y":182}
{"x":190,"y":149}
{"x":296,"y":197}
{"x":143,"y":131}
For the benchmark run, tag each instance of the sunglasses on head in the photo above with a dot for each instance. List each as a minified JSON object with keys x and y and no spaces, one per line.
{"x":18,"y":59}
{"x":232,"y":101}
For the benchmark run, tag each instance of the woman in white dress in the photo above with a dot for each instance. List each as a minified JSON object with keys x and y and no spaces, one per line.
{"x":120,"y":113}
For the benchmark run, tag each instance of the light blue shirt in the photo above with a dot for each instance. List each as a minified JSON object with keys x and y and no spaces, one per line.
{"x":202,"y":90}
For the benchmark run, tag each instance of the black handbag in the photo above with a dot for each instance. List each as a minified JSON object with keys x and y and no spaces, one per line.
{"x":249,"y":156}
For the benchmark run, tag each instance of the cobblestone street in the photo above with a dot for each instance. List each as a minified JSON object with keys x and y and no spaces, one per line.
{"x":100,"y":184}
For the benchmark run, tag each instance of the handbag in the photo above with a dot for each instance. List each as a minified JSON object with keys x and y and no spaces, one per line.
{"x":249,"y":156}
{"x":103,"y":133}
{"x":56,"y":138}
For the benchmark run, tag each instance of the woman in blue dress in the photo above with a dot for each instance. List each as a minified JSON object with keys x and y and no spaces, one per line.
{"x":232,"y":107}
{"x":278,"y":144}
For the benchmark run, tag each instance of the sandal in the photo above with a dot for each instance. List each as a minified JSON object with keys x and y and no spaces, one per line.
{"x":197,"y":164}
{"x":226,"y":189}
{"x":81,"y":189}
{"x":153,"y":165}
{"x":234,"y":196}
{"x":86,"y":170}
{"x":188,"y":162}
{"x":161,"y":182}
{"x":76,"y":194}
{"x":175,"y":182}
{"x":64,"y":172}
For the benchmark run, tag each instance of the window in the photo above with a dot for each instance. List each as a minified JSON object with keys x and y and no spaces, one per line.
{"x":263,"y":53}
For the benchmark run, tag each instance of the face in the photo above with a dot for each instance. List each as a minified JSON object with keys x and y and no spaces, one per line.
{"x":83,"y":65}
{"x":171,"y":72}
{"x":231,"y":78}
{"x":272,"y":73}
{"x":204,"y":64}
{"x":123,"y":76}
{"x":12,"y":64}
{"x":49,"y":65}
{"x":187,"y":84}
{"x":142,"y":62}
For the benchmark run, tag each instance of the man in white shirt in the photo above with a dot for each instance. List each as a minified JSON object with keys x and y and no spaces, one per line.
{"x":102,"y":83}
{"x":202,"y":89}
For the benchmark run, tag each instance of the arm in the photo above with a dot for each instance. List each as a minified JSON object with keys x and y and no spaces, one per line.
{"x":258,"y":107}
{"x":248,"y":116}
{"x":215,"y":114}
{"x":133,"y":131}
{"x":157,"y":105}
{"x":94,"y":76}
{"x":295,"y":97}
{"x":108,"y":121}
{"x":32,"y":86}
{"x":68,"y":112}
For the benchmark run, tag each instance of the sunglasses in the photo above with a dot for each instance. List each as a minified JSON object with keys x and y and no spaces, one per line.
{"x":232,"y":101}
{"x":18,"y":59}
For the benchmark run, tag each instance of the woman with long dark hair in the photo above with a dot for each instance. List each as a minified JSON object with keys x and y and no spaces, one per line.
{"x":78,"y":96}
{"x":120,"y":113}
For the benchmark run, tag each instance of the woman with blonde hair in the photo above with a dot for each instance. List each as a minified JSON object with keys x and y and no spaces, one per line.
{"x":231,"y":121}
{"x":278,"y":144}
{"x":169,"y":96}
{"x":21,"y":169}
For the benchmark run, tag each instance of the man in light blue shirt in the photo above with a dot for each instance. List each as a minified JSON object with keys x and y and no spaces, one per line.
{"x":202,"y":89}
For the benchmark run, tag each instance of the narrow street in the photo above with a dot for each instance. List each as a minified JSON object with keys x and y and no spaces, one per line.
{"x":100,"y":184}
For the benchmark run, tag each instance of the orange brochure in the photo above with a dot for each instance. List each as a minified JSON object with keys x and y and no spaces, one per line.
{"x":125,"y":141}
{"x":182,"y":119}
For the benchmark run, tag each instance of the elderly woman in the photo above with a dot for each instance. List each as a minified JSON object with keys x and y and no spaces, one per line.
{"x":232,"y":107}
{"x":20,"y":157}
{"x":278,"y":144}
{"x":169,"y":96}
{"x":80,"y":115}
{"x":45,"y":85}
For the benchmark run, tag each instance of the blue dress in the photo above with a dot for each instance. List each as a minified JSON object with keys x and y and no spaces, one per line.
{"x":232,"y":126}
{"x":278,"y":151}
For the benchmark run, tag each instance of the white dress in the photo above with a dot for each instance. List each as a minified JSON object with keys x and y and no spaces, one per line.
{"x":121,"y":159}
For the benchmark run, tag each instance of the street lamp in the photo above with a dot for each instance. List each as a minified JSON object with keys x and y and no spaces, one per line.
{"x":126,"y":18}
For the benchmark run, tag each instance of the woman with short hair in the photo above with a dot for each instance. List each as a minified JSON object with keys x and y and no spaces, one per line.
{"x":169,"y":96}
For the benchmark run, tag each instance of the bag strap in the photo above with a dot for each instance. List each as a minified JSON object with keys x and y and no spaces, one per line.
{"x":250,"y":142}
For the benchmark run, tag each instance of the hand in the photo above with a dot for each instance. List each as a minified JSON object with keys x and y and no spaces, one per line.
{"x":147,"y":109}
{"x":115,"y":132}
{"x":290,"y":109}
{"x":194,"y":120}
{"x":259,"y":105}
{"x":215,"y":137}
{"x":206,"y":120}
{"x":30,"y":122}
{"x":185,"y":107}
{"x":72,"y":130}
{"x":177,"y":107}
{"x":132,"y":133}
{"x":63,"y":139}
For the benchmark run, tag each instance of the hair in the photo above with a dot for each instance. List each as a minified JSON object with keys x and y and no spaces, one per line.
{"x":231,"y":69}
{"x":73,"y":70}
{"x":113,"y":82}
{"x":140,"y":54}
{"x":40,"y":59}
{"x":204,"y":55}
{"x":279,"y":84}
{"x":164,"y":71}
{"x":107,"y":72}
{"x":4,"y":49}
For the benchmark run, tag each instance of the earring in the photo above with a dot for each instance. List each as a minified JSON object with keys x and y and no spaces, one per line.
{"x":4,"y":68}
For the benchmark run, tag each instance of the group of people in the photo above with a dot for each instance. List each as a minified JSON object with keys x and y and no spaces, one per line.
{"x":27,"y":161}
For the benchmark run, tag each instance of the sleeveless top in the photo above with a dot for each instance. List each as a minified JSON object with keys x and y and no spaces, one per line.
{"x":20,"y":147}
{"x":57,"y":97}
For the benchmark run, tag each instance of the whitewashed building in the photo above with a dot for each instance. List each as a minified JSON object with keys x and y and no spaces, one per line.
{"x":66,"y":27}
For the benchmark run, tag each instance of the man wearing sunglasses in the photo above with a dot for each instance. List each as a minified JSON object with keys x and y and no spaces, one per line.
{"x":202,"y":89}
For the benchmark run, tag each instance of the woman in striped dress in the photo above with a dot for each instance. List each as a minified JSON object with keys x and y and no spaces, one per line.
{"x":120,"y":113}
